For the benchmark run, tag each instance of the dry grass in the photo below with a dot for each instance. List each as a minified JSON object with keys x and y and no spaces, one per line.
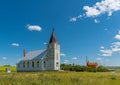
{"x":59,"y":78}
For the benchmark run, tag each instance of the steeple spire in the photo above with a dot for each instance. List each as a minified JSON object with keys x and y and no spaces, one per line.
{"x":53,"y":37}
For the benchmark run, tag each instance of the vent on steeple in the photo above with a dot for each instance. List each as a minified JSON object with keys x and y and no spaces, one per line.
{"x":53,"y":38}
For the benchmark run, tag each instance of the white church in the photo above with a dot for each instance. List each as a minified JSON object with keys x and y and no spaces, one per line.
{"x":42,"y":60}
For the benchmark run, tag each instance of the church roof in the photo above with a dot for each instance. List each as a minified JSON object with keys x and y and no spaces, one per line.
{"x":35,"y":55}
{"x":53,"y":38}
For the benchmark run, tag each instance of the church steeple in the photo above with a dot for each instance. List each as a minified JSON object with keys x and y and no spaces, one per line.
{"x":53,"y":38}
{"x":53,"y":53}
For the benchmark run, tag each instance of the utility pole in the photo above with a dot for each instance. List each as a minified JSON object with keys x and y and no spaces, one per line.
{"x":86,"y":62}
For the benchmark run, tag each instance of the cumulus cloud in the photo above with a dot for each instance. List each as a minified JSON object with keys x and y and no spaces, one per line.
{"x":74,"y":58}
{"x":106,"y":52}
{"x":74,"y":19}
{"x":34,"y":27}
{"x":117,"y":36}
{"x":66,"y":61}
{"x":45,"y":43}
{"x":102,"y":47}
{"x":114,"y":47}
{"x":99,"y":59}
{"x":96,"y":21}
{"x":99,"y":8}
{"x":4,"y":58}
{"x":63,"y":54}
{"x":105,"y":6}
{"x":15,"y":44}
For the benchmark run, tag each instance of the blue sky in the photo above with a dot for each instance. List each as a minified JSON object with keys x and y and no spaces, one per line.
{"x":83,"y":28}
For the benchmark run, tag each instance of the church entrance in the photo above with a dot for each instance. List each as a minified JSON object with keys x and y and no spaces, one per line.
{"x":57,"y":66}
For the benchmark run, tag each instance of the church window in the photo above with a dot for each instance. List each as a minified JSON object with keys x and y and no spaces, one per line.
{"x":57,"y":64}
{"x":33,"y":64}
{"x":37,"y":63}
{"x":23,"y":64}
{"x":44,"y":64}
{"x":28,"y":64}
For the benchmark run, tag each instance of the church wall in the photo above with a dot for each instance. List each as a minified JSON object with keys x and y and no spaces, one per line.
{"x":32,"y":66}
{"x":57,"y":57}
{"x":53,"y":56}
{"x":49,"y":57}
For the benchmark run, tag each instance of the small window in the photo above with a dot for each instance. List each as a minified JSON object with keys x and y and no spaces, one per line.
{"x":23,"y":64}
{"x":28,"y":64}
{"x":37,"y":63}
{"x":57,"y":64}
{"x":33,"y":64}
{"x":44,"y":64}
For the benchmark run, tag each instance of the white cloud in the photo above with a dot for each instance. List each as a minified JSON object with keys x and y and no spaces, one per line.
{"x":74,"y":58}
{"x":63,"y":54}
{"x":106,"y":52}
{"x":80,"y":16}
{"x":45,"y":43}
{"x":15,"y":44}
{"x":34,"y":27}
{"x":96,"y":21}
{"x":105,"y":6}
{"x":66,"y":61}
{"x":99,"y":59}
{"x":117,"y":36}
{"x":99,"y":8}
{"x":102,"y":47}
{"x":4,"y":58}
{"x":115,"y":47}
{"x":74,"y":19}
{"x":91,"y":11}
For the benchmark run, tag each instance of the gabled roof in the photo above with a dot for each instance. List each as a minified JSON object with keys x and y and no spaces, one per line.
{"x":53,"y":38}
{"x":35,"y":55}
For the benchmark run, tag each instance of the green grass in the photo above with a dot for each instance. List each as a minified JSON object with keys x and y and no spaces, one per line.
{"x":59,"y":78}
{"x":3,"y":68}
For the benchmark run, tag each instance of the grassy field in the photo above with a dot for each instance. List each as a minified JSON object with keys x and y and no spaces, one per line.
{"x":59,"y":78}
{"x":3,"y":68}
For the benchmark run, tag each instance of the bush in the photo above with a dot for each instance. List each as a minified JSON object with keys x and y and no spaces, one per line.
{"x":78,"y":68}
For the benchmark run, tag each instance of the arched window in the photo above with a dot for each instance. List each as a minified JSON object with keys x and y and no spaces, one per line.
{"x":44,"y":64}
{"x":23,"y":64}
{"x":57,"y":64}
{"x":28,"y":64}
{"x":37,"y":63}
{"x":33,"y":64}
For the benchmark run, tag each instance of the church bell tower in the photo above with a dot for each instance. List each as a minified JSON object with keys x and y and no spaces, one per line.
{"x":53,"y":53}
